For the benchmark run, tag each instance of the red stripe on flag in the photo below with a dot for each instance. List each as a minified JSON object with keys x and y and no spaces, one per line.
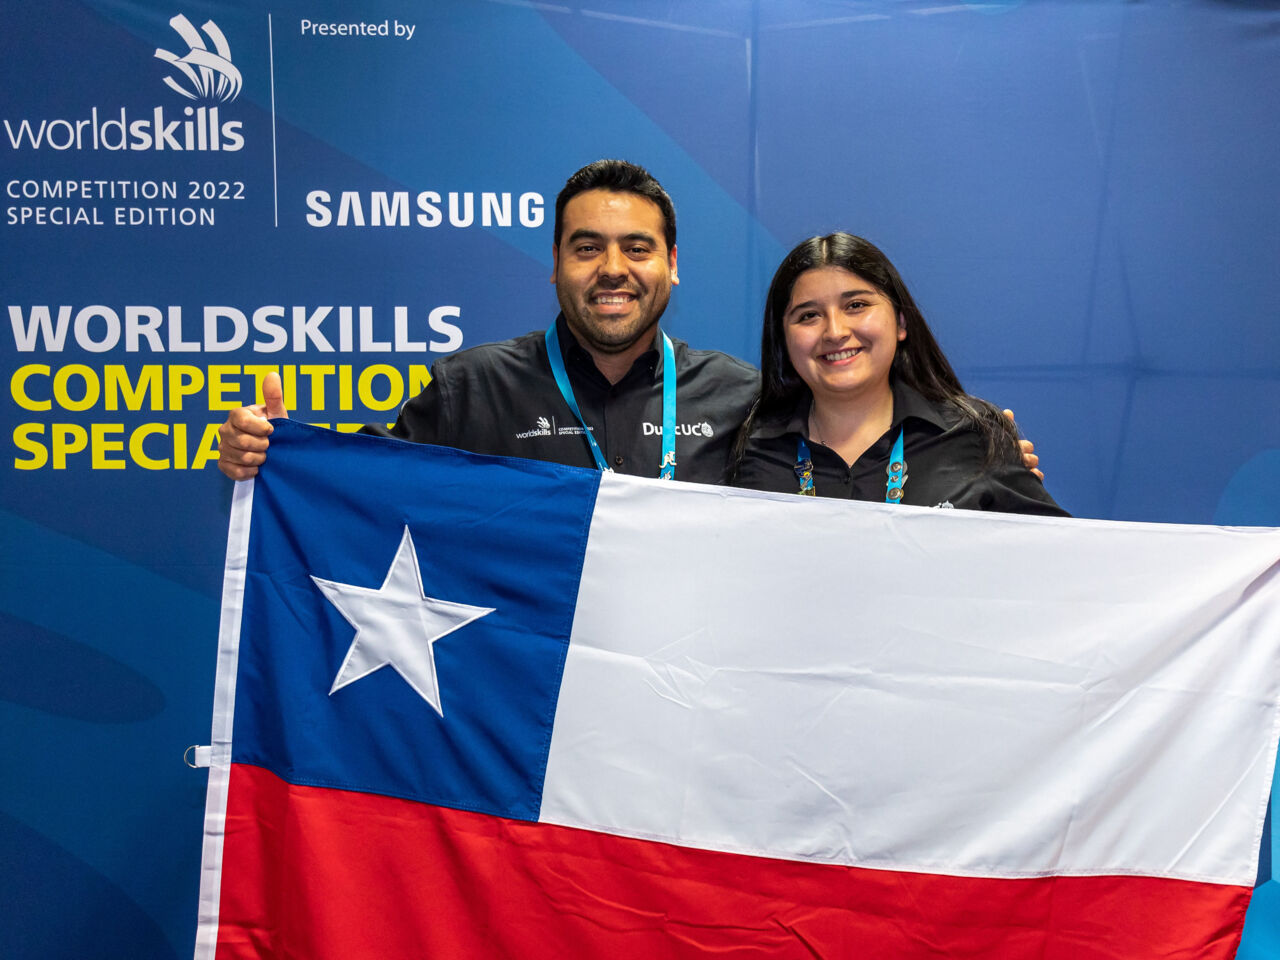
{"x":316,"y":873}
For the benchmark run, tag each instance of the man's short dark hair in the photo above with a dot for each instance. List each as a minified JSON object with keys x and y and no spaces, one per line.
{"x":618,"y":176}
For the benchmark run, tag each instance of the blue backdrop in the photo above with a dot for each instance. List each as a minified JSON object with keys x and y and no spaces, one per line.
{"x":1080,"y":193}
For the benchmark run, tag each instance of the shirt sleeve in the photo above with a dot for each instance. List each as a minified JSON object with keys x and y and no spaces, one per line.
{"x":423,"y":419}
{"x":1009,"y":487}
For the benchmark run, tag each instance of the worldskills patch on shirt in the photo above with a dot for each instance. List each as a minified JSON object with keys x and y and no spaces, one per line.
{"x":549,"y":427}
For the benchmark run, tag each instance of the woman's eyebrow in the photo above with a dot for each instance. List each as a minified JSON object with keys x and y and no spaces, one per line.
{"x":869,"y":292}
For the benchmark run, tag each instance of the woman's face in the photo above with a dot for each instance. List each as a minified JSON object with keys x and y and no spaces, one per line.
{"x":841,"y":333}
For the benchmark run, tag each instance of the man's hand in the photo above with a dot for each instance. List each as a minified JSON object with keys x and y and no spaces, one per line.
{"x":242,"y":440}
{"x":1029,"y":458}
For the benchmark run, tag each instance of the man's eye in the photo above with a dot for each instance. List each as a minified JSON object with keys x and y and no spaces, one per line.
{"x":638,"y":251}
{"x":588,"y":249}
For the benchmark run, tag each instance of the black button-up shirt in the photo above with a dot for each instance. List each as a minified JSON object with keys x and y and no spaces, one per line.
{"x":946,"y":457}
{"x":502,"y":399}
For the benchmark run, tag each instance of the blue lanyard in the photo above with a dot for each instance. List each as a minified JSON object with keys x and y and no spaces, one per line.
{"x":897,"y":471}
{"x":667,"y":468}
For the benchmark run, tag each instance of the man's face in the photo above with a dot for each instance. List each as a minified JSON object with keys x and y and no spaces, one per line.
{"x":612,"y":270}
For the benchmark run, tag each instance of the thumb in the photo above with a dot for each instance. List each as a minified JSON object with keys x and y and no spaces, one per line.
{"x":273,"y":396}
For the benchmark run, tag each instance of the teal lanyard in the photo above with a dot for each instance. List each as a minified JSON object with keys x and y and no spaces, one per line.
{"x":897,"y":471}
{"x":667,"y":468}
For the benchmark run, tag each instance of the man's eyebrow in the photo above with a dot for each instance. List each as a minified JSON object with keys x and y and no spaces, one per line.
{"x":637,"y":235}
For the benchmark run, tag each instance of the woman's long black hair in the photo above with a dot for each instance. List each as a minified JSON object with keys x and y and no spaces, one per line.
{"x":918,"y":361}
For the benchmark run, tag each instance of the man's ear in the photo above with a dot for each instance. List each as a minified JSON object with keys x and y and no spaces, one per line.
{"x":555,"y":260}
{"x":671,"y":259}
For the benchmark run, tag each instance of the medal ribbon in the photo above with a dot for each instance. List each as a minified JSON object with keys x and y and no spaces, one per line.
{"x":897,"y":471}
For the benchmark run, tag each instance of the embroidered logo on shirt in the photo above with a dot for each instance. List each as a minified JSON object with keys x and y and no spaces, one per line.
{"x":546,"y":427}
{"x":702,"y":429}
{"x":541,"y":428}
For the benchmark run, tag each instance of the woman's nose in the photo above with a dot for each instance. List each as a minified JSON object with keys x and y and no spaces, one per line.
{"x":835,"y":328}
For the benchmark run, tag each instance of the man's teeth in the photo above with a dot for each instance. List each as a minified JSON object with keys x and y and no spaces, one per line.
{"x":841,"y":355}
{"x":613,"y":298}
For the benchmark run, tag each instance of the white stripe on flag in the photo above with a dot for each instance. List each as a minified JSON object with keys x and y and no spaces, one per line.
{"x":923,"y":690}
{"x":224,"y":698}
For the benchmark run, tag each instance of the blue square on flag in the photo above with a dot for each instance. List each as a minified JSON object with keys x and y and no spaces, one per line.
{"x":442,"y":690}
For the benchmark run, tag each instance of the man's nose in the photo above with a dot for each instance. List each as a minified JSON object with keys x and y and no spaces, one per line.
{"x":615,"y":264}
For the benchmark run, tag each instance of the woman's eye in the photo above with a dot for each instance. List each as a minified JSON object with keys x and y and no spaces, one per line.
{"x":857,"y":305}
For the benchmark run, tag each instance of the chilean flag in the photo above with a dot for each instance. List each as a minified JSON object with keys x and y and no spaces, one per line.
{"x":479,"y":707}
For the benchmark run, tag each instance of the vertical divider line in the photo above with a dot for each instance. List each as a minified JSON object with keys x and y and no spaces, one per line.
{"x":757,"y":271}
{"x":275,"y":182}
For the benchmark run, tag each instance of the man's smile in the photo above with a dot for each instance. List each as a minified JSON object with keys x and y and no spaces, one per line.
{"x":613,"y":298}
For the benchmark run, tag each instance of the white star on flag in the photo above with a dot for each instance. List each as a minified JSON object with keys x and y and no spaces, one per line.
{"x":397,"y":624}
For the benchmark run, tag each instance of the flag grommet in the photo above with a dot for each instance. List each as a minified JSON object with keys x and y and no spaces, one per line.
{"x":196,"y":756}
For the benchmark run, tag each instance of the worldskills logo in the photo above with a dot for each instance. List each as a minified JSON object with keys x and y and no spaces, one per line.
{"x":206,"y":76}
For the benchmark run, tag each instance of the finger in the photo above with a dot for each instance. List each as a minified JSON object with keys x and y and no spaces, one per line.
{"x":244,"y":430}
{"x":1008,"y":413}
{"x":1038,"y":473}
{"x":234,"y":450}
{"x":237,"y":462}
{"x":231,"y":438}
{"x":273,"y":396}
{"x":250,"y":420}
{"x":235,"y":471}
{"x":246,"y":427}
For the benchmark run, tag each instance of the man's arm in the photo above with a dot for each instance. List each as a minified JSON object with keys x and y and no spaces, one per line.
{"x":242,"y":440}
{"x":426,"y":418}
{"x":1029,"y":458}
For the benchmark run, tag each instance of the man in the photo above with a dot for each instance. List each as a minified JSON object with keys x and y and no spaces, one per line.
{"x":603,"y":386}
{"x":614,"y":263}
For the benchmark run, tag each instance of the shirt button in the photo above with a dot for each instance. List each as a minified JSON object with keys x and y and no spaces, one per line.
{"x":617,"y":461}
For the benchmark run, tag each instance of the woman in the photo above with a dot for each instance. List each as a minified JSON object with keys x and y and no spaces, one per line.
{"x":858,"y":401}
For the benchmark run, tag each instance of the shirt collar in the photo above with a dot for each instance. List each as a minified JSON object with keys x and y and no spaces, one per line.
{"x":577,"y":359}
{"x":908,"y":402}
